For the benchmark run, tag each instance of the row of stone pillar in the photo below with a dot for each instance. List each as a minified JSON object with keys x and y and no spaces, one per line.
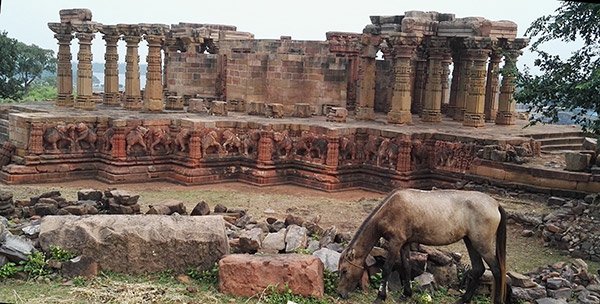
{"x":132,"y":34}
{"x":421,"y":71}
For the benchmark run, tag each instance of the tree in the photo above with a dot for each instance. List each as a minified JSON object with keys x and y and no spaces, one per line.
{"x":31,"y":62}
{"x":572,"y":84}
{"x":21,"y":65}
{"x":9,"y":86}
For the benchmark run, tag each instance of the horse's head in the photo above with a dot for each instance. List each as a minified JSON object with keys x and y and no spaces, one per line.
{"x":351,"y":271}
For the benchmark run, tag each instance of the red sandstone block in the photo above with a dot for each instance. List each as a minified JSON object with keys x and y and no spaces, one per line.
{"x":248,"y":275}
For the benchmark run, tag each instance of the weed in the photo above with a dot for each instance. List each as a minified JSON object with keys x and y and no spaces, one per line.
{"x":330,"y":280}
{"x":36,"y":265}
{"x":8,"y":270}
{"x":209,"y":276}
{"x":79,"y":281}
{"x":59,"y":254}
{"x":274,"y":296}
{"x":375,"y":280}
{"x":165,"y":277}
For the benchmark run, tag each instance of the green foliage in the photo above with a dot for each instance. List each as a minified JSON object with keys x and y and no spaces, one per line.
{"x":375,"y":280}
{"x":330,"y":280}
{"x":571,"y":84}
{"x":8,"y":270}
{"x":40,"y":92}
{"x":36,"y":265}
{"x":59,"y":254}
{"x":21,"y":65}
{"x":274,"y":296}
{"x":210,"y":276}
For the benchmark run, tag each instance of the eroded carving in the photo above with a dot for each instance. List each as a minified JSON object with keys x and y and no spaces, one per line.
{"x":283,"y":144}
{"x":182,"y":139}
{"x":135,"y":137}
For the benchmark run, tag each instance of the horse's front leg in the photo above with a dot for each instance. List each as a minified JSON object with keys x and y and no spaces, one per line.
{"x":393,"y":252}
{"x":405,"y":273}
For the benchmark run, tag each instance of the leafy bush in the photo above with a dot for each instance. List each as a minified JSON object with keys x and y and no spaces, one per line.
{"x":8,"y":270}
{"x":36,"y":265}
{"x":330,"y":279}
{"x":41,"y":92}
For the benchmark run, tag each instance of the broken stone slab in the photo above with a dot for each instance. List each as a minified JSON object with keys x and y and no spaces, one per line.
{"x":550,"y":301}
{"x":122,"y":197}
{"x":201,"y":208}
{"x":296,"y":238}
{"x":330,"y":258}
{"x":274,"y":242}
{"x":89,"y":195}
{"x":249,"y":275}
{"x":520,"y":280}
{"x":139,"y":244}
{"x":16,"y":248}
{"x":529,"y":294}
{"x":75,"y":15}
{"x":80,"y":267}
{"x":575,"y":161}
{"x":250,"y":240}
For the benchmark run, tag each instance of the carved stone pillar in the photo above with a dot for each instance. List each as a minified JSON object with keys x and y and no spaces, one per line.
{"x":446,"y":61}
{"x":119,"y":146}
{"x":36,"y":143}
{"x":195,"y":145}
{"x":333,"y":151}
{"x":432,"y":103}
{"x":112,"y":97}
{"x":366,"y":78}
{"x":265,"y":147}
{"x":419,"y":81}
{"x":153,"y":94}
{"x":404,"y":50}
{"x":132,"y":35}
{"x":85,"y":33}
{"x":462,"y":92}
{"x":404,"y":157}
{"x":64,"y":73}
{"x":491,"y":87}
{"x":457,"y":67}
{"x":506,"y":104}
{"x":479,"y":52}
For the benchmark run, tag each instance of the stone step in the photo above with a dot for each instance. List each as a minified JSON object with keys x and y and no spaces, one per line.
{"x":556,"y":135}
{"x":562,"y":147}
{"x":561,"y":141}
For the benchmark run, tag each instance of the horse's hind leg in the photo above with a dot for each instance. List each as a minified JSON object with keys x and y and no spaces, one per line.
{"x":490,"y":259}
{"x":473,"y":276}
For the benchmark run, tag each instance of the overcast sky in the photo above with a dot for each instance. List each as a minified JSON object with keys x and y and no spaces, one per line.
{"x":26,"y":20}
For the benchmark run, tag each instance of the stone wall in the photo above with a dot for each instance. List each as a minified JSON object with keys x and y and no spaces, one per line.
{"x":194,"y":74}
{"x":286,"y":72}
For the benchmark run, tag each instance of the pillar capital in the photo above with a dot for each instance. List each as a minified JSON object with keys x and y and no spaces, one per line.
{"x":404,"y":45}
{"x":370,"y":45}
{"x":132,"y":33}
{"x":154,"y":29}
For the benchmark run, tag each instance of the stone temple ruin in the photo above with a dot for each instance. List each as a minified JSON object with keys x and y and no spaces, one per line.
{"x":220,"y":105}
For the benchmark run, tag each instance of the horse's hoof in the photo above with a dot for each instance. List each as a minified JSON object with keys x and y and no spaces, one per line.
{"x":378,"y":301}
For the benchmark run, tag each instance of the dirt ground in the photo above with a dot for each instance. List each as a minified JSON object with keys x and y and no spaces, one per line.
{"x":346,"y":209}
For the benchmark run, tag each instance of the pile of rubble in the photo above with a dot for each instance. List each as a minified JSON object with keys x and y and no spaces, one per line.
{"x":557,"y":283}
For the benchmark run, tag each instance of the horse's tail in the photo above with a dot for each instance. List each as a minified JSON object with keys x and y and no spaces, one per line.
{"x":501,"y":255}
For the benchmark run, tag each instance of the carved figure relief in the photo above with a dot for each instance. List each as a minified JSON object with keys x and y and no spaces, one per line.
{"x":59,"y":138}
{"x":182,"y":140}
{"x":232,"y":142}
{"x":387,"y":154}
{"x":136,"y":136}
{"x":283,"y":144}
{"x":371,"y":148}
{"x":85,"y":137}
{"x":158,"y":141}
{"x":250,"y":143}
{"x":347,"y":149}
{"x":210,"y":143}
{"x":419,"y":155}
{"x":106,"y":139}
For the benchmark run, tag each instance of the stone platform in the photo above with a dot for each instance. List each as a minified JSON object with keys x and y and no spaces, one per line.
{"x":119,"y":146}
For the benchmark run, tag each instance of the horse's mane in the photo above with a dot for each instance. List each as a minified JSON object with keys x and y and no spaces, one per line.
{"x":364,"y":224}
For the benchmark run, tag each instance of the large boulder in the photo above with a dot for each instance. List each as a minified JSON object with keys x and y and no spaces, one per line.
{"x":139,"y":244}
{"x":248,"y":275}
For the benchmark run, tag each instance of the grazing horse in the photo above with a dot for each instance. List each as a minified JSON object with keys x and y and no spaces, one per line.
{"x":438,"y":217}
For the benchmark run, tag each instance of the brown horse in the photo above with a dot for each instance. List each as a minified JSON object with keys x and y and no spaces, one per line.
{"x":438,"y":217}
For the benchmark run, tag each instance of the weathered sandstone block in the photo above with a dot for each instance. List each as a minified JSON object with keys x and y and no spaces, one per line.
{"x":139,"y":244}
{"x":575,"y":161}
{"x":248,"y":275}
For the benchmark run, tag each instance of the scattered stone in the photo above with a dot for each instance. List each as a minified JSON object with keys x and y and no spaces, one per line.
{"x":295,"y":238}
{"x":183,"y":279}
{"x":16,"y":248}
{"x":529,"y":294}
{"x":425,"y":281}
{"x":249,"y":275}
{"x":576,"y":161}
{"x":550,"y":301}
{"x":556,"y":201}
{"x":312,"y":246}
{"x":291,"y":219}
{"x":274,"y":242}
{"x":159,"y":210}
{"x":328,"y":236}
{"x":89,"y":195}
{"x":527,"y":233}
{"x":519,"y":280}
{"x":250,"y":240}
{"x":220,"y":208}
{"x":201,"y":208}
{"x":330,"y":258}
{"x":31,"y":230}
